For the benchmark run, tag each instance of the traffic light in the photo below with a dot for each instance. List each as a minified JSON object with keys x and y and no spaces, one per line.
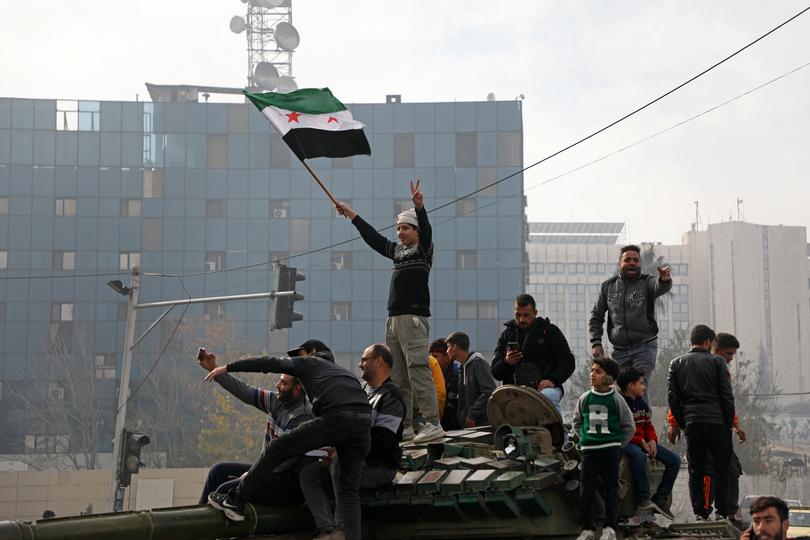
{"x":284,"y":313}
{"x":130,"y":456}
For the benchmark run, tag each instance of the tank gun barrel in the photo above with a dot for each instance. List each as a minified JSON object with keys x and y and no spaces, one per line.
{"x":180,"y":523}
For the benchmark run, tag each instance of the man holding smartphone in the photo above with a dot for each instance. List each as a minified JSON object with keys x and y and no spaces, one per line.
{"x":533,"y":352}
{"x":769,"y":520}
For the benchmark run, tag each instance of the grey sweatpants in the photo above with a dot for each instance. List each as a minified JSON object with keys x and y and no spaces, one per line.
{"x":407,"y":337}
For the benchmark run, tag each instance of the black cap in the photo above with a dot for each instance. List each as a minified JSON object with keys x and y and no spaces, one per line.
{"x":319,"y":346}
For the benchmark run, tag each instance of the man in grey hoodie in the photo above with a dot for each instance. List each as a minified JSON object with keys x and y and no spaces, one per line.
{"x":629,"y":300}
{"x":475,"y":384}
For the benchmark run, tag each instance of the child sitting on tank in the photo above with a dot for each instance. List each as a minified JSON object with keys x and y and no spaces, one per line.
{"x":605,"y":424}
{"x":644,"y":445}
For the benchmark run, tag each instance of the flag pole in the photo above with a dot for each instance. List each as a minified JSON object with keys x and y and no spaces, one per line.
{"x":323,"y":187}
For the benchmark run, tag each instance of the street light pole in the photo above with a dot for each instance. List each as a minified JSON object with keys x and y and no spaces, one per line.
{"x":116,"y":495}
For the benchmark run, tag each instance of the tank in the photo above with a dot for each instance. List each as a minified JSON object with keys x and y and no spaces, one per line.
{"x":518,"y":478}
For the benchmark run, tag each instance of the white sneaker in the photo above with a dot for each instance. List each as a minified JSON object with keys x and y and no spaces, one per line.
{"x":586,"y":534}
{"x":429,"y":432}
{"x":608,"y":534}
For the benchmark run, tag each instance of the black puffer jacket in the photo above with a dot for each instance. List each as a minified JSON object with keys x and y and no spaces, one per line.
{"x":546,"y":355}
{"x":699,"y":390}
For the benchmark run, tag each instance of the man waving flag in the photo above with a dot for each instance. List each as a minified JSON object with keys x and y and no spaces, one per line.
{"x":313,"y":123}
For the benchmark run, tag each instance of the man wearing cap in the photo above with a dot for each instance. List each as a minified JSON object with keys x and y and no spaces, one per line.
{"x":286,"y":408}
{"x":342,"y":420}
{"x":407,"y":327}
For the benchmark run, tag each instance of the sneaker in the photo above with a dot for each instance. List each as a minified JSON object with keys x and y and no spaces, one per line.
{"x":646,"y":505}
{"x":408,"y":434}
{"x":608,"y":534}
{"x":234,"y":508}
{"x":429,"y":432}
{"x":662,"y":508}
{"x":586,"y":534}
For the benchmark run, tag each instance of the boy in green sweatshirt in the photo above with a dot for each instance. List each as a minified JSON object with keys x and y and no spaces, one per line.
{"x":605,"y":424}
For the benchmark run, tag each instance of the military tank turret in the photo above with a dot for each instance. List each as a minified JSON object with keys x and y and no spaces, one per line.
{"x":518,"y":478}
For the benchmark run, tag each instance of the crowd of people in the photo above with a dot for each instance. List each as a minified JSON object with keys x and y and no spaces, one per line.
{"x":328,"y":435}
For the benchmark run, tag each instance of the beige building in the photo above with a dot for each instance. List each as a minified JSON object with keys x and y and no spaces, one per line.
{"x":750,"y":280}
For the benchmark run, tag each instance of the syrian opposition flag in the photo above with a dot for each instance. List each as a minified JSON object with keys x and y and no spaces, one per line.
{"x":313,"y":123}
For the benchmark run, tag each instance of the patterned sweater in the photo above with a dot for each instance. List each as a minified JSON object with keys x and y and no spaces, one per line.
{"x":603,"y":420}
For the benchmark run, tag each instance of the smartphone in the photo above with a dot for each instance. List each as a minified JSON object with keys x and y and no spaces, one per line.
{"x":751,"y":534}
{"x":201,"y":354}
{"x":513,"y":346}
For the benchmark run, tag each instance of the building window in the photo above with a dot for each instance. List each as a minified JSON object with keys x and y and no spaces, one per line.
{"x":65,"y":207}
{"x":128,"y":259}
{"x":2,"y":311}
{"x":556,"y":268}
{"x":342,"y":163}
{"x":466,"y":259}
{"x":341,"y":311}
{"x":509,"y":149}
{"x":299,"y":234}
{"x":61,"y":312}
{"x":217,"y":151}
{"x":400,"y":205}
{"x":131,"y":207}
{"x":67,"y":115}
{"x":64,"y":260}
{"x":215,"y":208}
{"x":3,"y":206}
{"x":121,"y":311}
{"x":471,"y":309}
{"x":279,"y":209}
{"x":279,"y":153}
{"x":465,"y":207}
{"x":466,"y":150}
{"x":214,"y":261}
{"x":404,"y":151}
{"x":153,"y":183}
{"x":47,"y":444}
{"x":3,"y":259}
{"x":214,"y":311}
{"x":341,"y":260}
{"x":105,"y":366}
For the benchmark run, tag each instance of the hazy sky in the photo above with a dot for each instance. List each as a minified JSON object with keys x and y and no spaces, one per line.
{"x":580,"y":65}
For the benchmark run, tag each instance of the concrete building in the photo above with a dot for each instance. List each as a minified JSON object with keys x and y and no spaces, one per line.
{"x":209,"y":192}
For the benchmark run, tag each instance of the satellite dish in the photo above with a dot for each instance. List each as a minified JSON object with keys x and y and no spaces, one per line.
{"x":266,"y":75}
{"x":286,"y":84}
{"x":238,"y":24}
{"x":286,"y":36}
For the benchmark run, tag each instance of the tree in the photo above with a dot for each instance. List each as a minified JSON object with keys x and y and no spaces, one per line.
{"x":63,"y":404}
{"x":191,"y":422}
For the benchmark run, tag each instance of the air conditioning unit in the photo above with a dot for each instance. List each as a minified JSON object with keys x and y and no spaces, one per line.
{"x":337,"y":317}
{"x":210,"y":266}
{"x":279,"y":212}
{"x":56,"y":393}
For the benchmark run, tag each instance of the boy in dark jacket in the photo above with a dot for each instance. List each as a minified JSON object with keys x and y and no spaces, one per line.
{"x":645,"y":443}
{"x":605,"y":424}
{"x":475,"y":384}
{"x":533,"y":352}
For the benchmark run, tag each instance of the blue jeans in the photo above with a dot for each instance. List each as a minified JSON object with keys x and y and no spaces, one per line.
{"x":642,"y":357}
{"x":638,"y":468}
{"x":604,"y":464}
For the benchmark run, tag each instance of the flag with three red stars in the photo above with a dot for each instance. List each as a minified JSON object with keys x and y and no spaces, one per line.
{"x":313,"y":123}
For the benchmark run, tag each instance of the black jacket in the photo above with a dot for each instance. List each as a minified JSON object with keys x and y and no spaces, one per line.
{"x":409,"y":293}
{"x":699,"y":390}
{"x":387,"y":415}
{"x":546,"y":355}
{"x":330,"y":387}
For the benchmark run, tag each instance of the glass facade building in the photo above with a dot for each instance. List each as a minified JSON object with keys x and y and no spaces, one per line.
{"x":90,"y":188}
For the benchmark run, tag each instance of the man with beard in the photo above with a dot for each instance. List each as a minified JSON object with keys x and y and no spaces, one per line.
{"x":629,"y":299}
{"x":342,"y":420}
{"x":286,"y":408}
{"x":769,"y":520}
{"x":380,"y":466}
{"x":533,"y":352}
